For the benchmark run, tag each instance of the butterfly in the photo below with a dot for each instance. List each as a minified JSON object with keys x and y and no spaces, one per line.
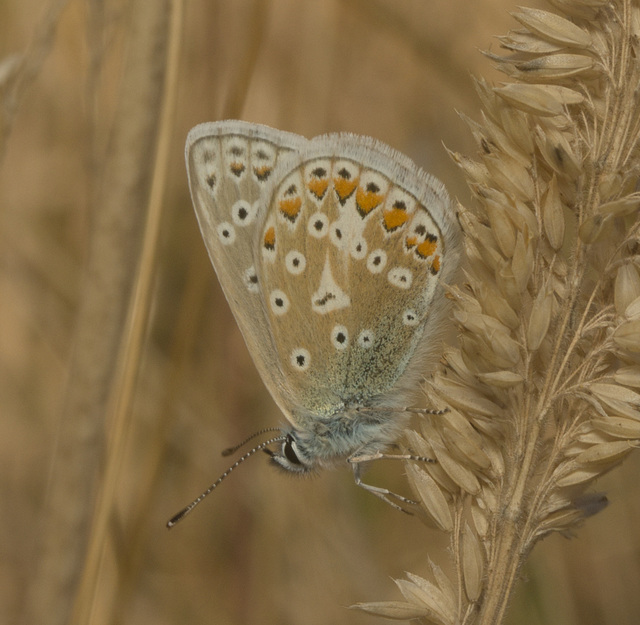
{"x":332,"y":253}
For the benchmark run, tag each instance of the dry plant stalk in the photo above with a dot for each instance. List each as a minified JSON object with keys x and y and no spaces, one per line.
{"x":73,"y":536}
{"x":544,"y":389}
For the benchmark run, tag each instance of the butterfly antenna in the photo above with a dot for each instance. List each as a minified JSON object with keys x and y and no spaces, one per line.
{"x":231,"y":450}
{"x":175,"y":519}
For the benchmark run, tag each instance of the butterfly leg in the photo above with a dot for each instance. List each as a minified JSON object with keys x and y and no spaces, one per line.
{"x":382,"y":493}
{"x":430,"y":411}
{"x":380,"y":456}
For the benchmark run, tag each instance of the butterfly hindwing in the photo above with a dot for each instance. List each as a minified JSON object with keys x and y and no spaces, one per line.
{"x":355,"y":242}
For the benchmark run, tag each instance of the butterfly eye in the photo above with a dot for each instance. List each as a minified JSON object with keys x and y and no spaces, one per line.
{"x":289,"y":451}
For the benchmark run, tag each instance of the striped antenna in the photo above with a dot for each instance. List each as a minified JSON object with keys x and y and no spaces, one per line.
{"x":176,"y":518}
{"x":231,"y":450}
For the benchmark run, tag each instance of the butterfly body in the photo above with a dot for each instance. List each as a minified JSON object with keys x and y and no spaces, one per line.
{"x":332,"y":253}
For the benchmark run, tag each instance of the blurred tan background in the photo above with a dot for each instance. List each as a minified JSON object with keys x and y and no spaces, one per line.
{"x":264,"y":548}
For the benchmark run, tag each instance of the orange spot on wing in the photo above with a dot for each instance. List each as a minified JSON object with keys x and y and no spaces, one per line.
{"x":344,"y":188}
{"x":236,"y":168}
{"x":290,"y":207}
{"x":435,"y":265}
{"x":411,"y":242}
{"x":427,"y":247}
{"x":394,"y":218}
{"x":318,"y":186}
{"x":366,"y":201}
{"x":262,"y":173}
{"x":270,"y":238}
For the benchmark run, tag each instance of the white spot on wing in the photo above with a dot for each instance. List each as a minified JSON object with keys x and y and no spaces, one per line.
{"x":422,"y":224}
{"x":279,"y":302}
{"x":226,"y":233}
{"x":206,"y":162}
{"x":358,"y":248}
{"x":377,"y":261}
{"x":318,"y":225}
{"x":329,"y":295}
{"x":251,"y":280}
{"x":316,"y":180}
{"x":338,"y":234}
{"x":397,"y":197}
{"x":410,"y":317}
{"x":263,"y":159}
{"x":340,"y":337}
{"x":300,"y":359}
{"x":400,"y":277}
{"x":243,"y":213}
{"x":235,"y":155}
{"x":345,"y":177}
{"x":295,"y":262}
{"x":365,"y":339}
{"x":371,"y":179}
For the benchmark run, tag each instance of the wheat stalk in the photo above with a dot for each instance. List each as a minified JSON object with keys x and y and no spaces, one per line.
{"x":543,"y":389}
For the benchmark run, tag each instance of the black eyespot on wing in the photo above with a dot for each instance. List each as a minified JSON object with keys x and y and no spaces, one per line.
{"x":322,"y":301}
{"x":372,"y":187}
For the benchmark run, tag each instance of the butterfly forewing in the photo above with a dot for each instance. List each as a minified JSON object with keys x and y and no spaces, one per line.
{"x":354,"y":244}
{"x":230,"y":165}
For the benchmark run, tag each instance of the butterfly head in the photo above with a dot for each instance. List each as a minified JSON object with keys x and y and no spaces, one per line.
{"x":319,"y":444}
{"x":291,"y":456}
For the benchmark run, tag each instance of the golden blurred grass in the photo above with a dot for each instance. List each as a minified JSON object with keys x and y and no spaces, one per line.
{"x":264,"y":549}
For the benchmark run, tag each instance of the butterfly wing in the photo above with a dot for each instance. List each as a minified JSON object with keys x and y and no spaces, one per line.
{"x":229,"y":165}
{"x":355,"y":243}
